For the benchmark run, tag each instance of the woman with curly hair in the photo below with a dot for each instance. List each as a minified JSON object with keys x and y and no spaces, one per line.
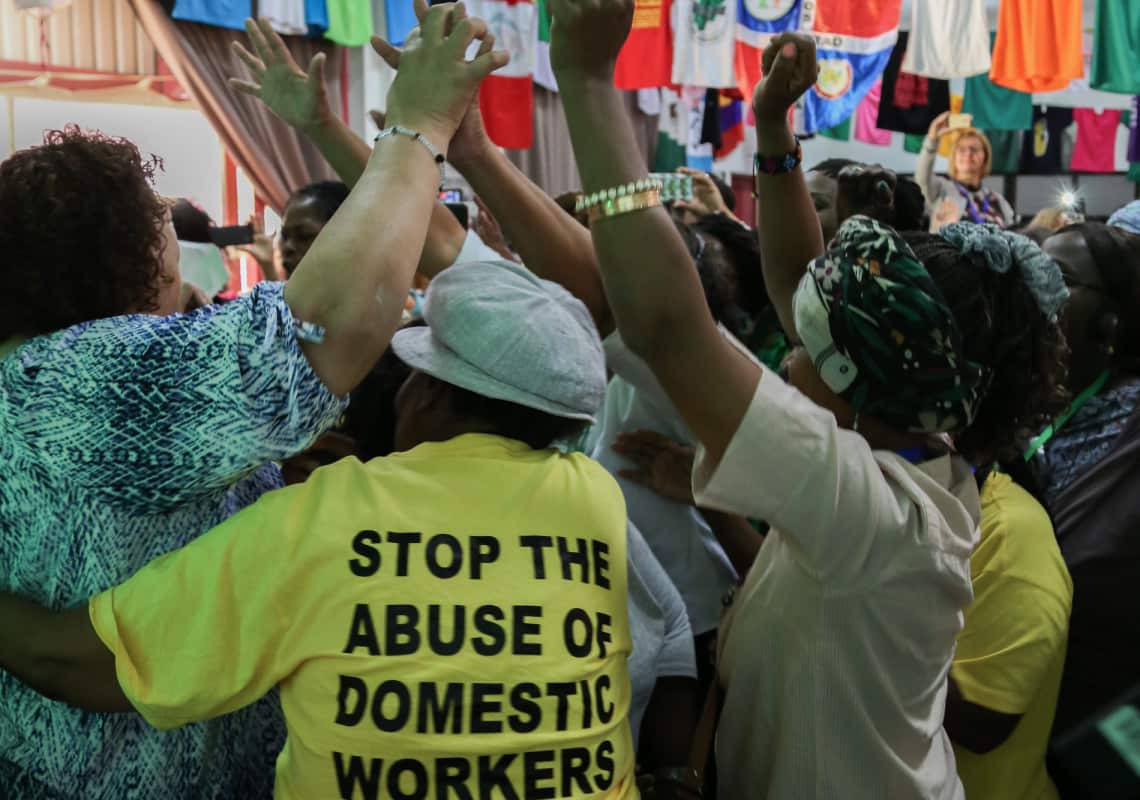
{"x":127,"y":434}
{"x":835,"y":651}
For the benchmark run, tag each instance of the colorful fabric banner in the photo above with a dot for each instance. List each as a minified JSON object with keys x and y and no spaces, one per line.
{"x":840,"y":132}
{"x":646,"y":59}
{"x":507,"y":96}
{"x":731,"y":125}
{"x":1116,"y":49}
{"x":704,"y":43}
{"x":543,"y":71}
{"x":866,"y":116}
{"x":672,"y":133}
{"x":854,"y":41}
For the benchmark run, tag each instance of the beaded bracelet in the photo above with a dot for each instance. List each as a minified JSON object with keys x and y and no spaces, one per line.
{"x":397,"y":130}
{"x":779,"y":165}
{"x":638,"y":201}
{"x":588,"y":202}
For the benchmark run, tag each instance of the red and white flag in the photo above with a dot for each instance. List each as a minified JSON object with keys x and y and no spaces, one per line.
{"x":507,"y":95}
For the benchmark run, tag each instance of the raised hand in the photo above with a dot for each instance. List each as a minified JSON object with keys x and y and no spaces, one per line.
{"x":940,"y":125}
{"x":298,"y":97}
{"x":587,"y":36}
{"x":790,"y":69}
{"x":435,"y":84}
{"x":664,"y":466}
{"x":471,"y":140}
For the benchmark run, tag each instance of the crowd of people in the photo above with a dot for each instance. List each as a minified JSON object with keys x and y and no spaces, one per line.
{"x":635,"y":500}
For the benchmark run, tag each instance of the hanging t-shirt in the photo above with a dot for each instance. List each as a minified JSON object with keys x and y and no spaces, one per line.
{"x":1134,"y":131}
{"x":866,"y":114}
{"x":317,"y":16}
{"x":286,"y":16}
{"x":219,"y":13}
{"x":913,"y":142}
{"x":908,"y":102}
{"x":1038,"y":45}
{"x":374,"y":596}
{"x":350,"y":22}
{"x":1116,"y":47}
{"x":401,"y":17}
{"x":948,"y":39}
{"x":704,"y":43}
{"x":1006,"y":146}
{"x":1043,"y":148}
{"x":996,"y":107}
{"x":646,"y":58}
{"x":1095,"y":147}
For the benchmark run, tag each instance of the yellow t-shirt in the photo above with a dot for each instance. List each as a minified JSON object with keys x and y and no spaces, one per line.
{"x":1011,"y":651}
{"x":445,"y":619}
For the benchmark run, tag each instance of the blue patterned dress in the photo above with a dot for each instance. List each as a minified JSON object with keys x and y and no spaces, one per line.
{"x":121,"y":440}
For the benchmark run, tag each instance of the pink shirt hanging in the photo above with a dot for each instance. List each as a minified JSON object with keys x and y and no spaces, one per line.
{"x":866,"y":115}
{"x":1095,"y":148}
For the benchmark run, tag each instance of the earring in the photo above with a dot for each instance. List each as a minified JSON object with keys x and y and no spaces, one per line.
{"x":855,"y":423}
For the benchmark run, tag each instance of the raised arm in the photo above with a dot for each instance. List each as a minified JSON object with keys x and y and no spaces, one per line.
{"x":790,"y":234}
{"x":550,"y":242}
{"x":300,"y":98}
{"x":924,"y":170}
{"x":653,"y":289}
{"x":354,"y":279}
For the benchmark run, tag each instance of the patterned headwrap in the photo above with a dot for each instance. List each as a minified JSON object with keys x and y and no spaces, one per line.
{"x":881,"y":335}
{"x":1127,"y":217}
{"x":999,"y":250}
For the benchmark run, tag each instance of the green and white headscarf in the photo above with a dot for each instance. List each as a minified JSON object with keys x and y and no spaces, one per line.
{"x":881,"y":335}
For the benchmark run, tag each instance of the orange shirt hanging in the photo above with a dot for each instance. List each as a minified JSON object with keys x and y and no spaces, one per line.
{"x":1038,"y":45}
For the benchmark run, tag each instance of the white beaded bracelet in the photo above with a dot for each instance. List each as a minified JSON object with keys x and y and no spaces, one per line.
{"x":398,"y":130}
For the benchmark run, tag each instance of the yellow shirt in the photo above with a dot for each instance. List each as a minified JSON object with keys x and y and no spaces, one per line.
{"x":1011,"y":651}
{"x":439,"y":620}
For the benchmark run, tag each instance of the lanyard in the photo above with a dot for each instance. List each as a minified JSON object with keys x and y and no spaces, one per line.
{"x":1078,"y":403}
{"x":976,"y":215}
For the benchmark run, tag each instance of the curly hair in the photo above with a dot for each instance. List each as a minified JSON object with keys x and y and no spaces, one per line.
{"x":1002,"y":327}
{"x":81,"y":233}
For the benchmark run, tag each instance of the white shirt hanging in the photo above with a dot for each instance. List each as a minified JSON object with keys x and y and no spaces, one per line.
{"x":948,"y":39}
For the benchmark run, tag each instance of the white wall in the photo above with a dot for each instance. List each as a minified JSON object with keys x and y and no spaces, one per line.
{"x":183,"y":139}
